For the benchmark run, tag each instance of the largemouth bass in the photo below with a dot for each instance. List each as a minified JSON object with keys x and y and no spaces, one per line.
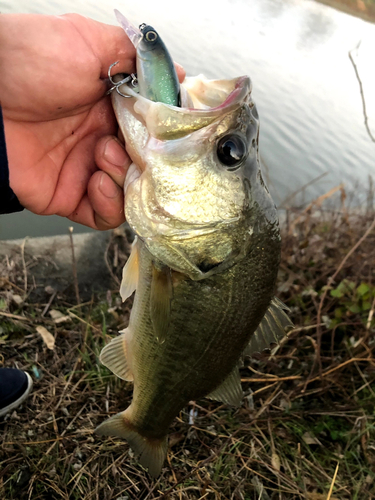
{"x":204,"y":262}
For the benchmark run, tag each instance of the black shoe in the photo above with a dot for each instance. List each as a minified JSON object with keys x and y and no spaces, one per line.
{"x":15,"y":386}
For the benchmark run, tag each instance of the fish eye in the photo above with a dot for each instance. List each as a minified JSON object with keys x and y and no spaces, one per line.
{"x":231,"y":150}
{"x":151,"y":36}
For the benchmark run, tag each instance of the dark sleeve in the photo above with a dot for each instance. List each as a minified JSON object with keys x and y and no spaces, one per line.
{"x":8,"y":200}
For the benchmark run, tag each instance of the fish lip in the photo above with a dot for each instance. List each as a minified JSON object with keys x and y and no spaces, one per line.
{"x":164,"y":121}
{"x":242,"y":88}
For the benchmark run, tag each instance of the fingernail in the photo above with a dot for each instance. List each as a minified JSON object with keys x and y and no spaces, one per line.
{"x":108,"y":187}
{"x":115,"y":153}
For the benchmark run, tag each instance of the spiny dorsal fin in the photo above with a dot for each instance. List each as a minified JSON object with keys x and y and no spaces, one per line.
{"x":230,"y":391}
{"x":152,"y":451}
{"x":160,"y":300}
{"x":130,"y":273}
{"x":274,"y":326}
{"x":115,"y":356}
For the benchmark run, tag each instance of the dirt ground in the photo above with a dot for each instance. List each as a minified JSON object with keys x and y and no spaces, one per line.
{"x":305,"y":429}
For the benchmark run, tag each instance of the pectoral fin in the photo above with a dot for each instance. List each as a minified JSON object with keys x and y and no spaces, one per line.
{"x":116,"y":356}
{"x":230,"y":391}
{"x":130,"y":273}
{"x":160,"y":301}
{"x":274,"y":326}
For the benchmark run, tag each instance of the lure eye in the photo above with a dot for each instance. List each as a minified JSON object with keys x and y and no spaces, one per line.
{"x":231,"y":150}
{"x":151,"y":36}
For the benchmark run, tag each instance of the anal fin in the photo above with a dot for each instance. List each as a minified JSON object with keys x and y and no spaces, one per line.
{"x":160,"y":300}
{"x":151,"y":451}
{"x":230,"y":391}
{"x":130,"y":273}
{"x":115,"y":356}
{"x":274,"y":326}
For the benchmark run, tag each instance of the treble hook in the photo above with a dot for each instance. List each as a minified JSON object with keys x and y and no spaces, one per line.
{"x":116,"y":85}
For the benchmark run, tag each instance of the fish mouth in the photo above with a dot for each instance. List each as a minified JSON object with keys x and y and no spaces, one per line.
{"x":202,"y":102}
{"x":213,"y":96}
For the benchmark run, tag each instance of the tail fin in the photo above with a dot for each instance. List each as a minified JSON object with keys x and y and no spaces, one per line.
{"x":152,"y":452}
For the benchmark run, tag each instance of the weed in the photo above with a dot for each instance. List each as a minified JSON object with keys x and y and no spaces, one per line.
{"x":306,"y":409}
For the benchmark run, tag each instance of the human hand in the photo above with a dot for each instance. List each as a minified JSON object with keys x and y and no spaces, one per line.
{"x":59,"y":125}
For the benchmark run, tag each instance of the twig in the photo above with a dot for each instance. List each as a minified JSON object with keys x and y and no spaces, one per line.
{"x":49,"y":303}
{"x":28,"y":443}
{"x":13,"y":316}
{"x":82,"y":469}
{"x":316,"y":203}
{"x":285,"y":202}
{"x":333,"y":481}
{"x":305,"y":328}
{"x":5,"y":281}
{"x":74,"y":266}
{"x":370,"y":195}
{"x":24,"y":263}
{"x":370,"y":315}
{"x":71,"y":314}
{"x":272,"y":379}
{"x":331,"y":370}
{"x":109,"y":267}
{"x":362,"y":94}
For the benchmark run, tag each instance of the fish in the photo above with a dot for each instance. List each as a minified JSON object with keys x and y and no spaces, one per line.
{"x":204,"y":261}
{"x":156,"y":72}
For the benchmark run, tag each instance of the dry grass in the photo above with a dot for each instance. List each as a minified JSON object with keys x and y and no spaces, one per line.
{"x":304,"y":431}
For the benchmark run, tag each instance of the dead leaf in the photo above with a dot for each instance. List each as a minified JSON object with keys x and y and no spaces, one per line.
{"x":58,"y":317}
{"x":47,"y":337}
{"x":310,"y":439}
{"x":17,"y":299}
{"x":275,"y":461}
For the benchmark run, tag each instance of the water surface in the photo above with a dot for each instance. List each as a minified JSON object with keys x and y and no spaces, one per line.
{"x":296,"y":53}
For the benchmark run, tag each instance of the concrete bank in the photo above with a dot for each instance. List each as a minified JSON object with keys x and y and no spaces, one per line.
{"x":48,"y":261}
